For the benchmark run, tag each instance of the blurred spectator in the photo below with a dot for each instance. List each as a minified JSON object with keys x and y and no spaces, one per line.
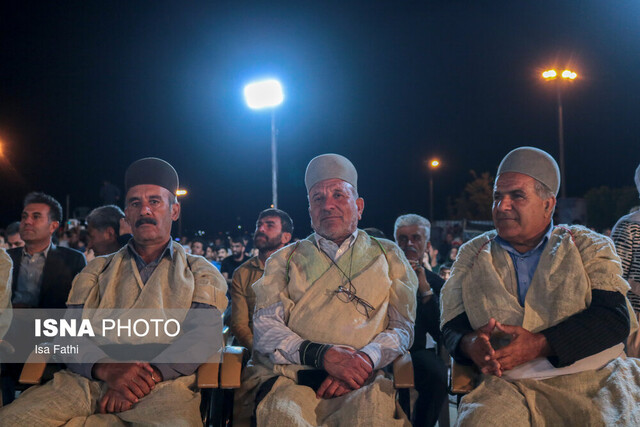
{"x":453,"y":253}
{"x":445,"y":271}
{"x":626,"y":236}
{"x":12,"y":234}
{"x":273,"y":231}
{"x":222,"y":253}
{"x":212,"y":255}
{"x":411,"y":233}
{"x":103,"y":228}
{"x":430,"y":258}
{"x":197,"y":246}
{"x":237,"y":257}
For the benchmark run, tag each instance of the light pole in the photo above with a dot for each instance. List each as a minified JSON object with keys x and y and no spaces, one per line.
{"x":433,"y":165}
{"x":267,"y":94}
{"x":566,"y":75}
{"x":181,"y":192}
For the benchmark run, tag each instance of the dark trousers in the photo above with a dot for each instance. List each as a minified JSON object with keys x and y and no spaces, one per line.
{"x":430,"y":378}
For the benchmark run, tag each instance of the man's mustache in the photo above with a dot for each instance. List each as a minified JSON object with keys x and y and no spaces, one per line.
{"x":145,"y":221}
{"x":260,"y":234}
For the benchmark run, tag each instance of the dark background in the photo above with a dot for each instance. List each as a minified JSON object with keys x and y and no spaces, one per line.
{"x":88,"y":87}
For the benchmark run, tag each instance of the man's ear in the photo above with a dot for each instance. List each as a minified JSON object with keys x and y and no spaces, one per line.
{"x":285,"y":238}
{"x":549,"y":204}
{"x":175,"y":211}
{"x":111,"y":233}
{"x":53,"y":226}
{"x":360,"y":205}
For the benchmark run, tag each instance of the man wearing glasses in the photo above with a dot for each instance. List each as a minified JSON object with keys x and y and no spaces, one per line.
{"x":331,"y":311}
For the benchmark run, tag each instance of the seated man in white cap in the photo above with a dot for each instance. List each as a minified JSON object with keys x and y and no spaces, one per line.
{"x":331,"y":311}
{"x":541,"y":311}
{"x":150,"y":273}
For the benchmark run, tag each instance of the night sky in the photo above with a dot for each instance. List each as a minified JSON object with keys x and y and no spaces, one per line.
{"x":88,"y":87}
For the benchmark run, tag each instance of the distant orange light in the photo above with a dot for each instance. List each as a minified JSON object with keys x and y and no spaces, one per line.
{"x":434,"y":163}
{"x":553,"y":74}
{"x":180,"y":192}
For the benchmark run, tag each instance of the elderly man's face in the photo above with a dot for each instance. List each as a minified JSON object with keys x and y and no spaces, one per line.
{"x":412,"y":239}
{"x":150,"y":214}
{"x":334,"y":210}
{"x":519,"y":214}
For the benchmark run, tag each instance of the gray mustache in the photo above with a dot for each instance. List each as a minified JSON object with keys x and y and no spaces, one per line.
{"x":145,"y":221}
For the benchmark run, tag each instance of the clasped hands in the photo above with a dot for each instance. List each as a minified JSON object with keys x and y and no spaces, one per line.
{"x":127,"y":383}
{"x":524,"y":347}
{"x":348,"y":370}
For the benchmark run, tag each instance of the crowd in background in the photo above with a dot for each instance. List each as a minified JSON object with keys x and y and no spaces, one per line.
{"x":440,"y":255}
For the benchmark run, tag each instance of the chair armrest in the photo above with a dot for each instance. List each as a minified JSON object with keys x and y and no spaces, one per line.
{"x":34,"y":368}
{"x":231,"y":370}
{"x":403,"y":371}
{"x":226,"y":335}
{"x":208,"y":374}
{"x":463,"y":378}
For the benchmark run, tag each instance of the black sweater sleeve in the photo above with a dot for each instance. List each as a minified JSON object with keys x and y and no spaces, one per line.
{"x":452,"y":333}
{"x":603,"y":324}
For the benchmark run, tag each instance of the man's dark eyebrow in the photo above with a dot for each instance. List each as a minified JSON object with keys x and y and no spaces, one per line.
{"x":515,"y":191}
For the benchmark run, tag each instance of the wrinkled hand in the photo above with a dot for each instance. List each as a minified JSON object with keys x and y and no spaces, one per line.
{"x":524,"y":346}
{"x":332,"y":387}
{"x":347,"y":365}
{"x":477,"y":346}
{"x":112,"y":401}
{"x":132,"y":380}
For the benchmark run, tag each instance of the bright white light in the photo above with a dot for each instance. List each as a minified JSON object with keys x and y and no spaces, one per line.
{"x":263,"y":94}
{"x":549,"y":74}
{"x":569,"y":74}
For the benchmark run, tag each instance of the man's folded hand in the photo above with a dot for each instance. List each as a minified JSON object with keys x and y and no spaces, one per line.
{"x":133,"y":380}
{"x":347,"y":365}
{"x":332,"y":387}
{"x":112,"y":401}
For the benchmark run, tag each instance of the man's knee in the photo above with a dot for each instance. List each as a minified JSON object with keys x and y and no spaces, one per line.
{"x":52,"y":403}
